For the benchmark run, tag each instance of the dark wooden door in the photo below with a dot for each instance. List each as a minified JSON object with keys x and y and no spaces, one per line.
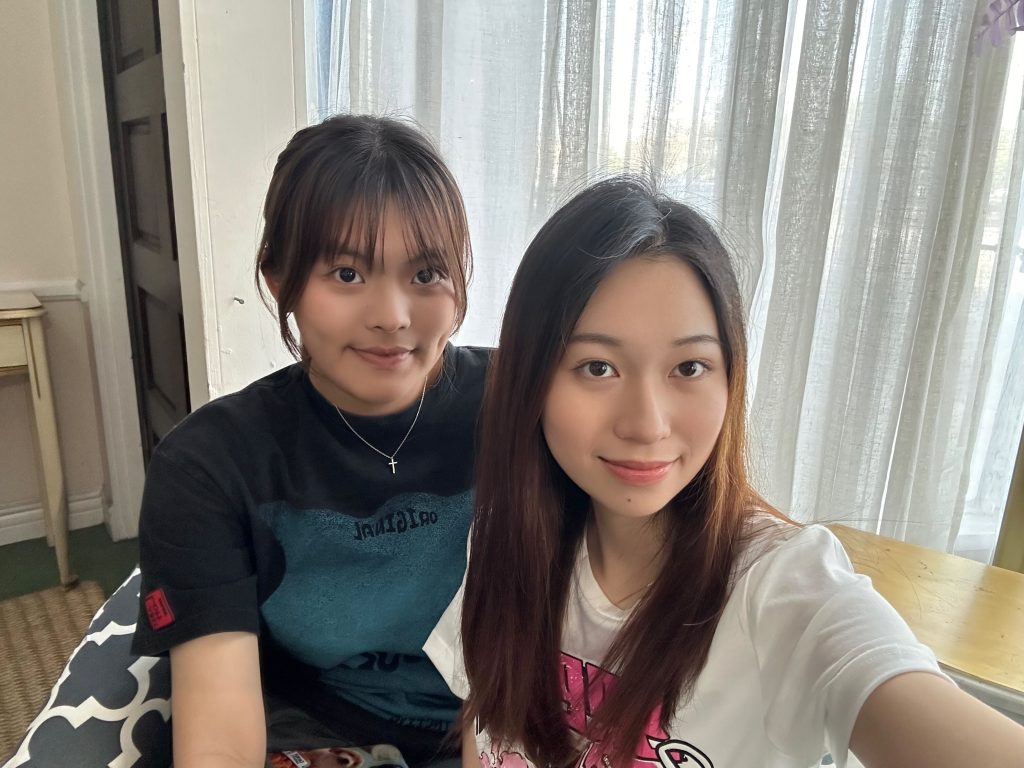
{"x":130,"y":38}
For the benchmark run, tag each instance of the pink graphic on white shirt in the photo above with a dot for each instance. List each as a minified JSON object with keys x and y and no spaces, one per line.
{"x":584,"y":687}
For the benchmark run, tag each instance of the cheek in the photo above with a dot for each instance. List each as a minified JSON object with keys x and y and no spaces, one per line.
{"x":565,"y":423}
{"x":300,"y":319}
{"x":436,"y":315}
{"x":561,"y":443}
{"x":703,"y":422}
{"x":447,"y":324}
{"x":318,"y":312}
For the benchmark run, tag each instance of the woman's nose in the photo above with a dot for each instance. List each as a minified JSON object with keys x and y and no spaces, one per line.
{"x":388,"y":308}
{"x":643,"y":415}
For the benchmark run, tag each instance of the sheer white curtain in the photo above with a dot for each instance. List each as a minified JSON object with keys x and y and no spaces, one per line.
{"x":863,"y":162}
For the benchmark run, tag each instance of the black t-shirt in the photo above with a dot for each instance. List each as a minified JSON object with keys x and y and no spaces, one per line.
{"x":264,"y":513}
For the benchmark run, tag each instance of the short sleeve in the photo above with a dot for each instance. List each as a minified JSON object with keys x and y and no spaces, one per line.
{"x":824,"y":639}
{"x":195,"y":556}
{"x":444,"y":646}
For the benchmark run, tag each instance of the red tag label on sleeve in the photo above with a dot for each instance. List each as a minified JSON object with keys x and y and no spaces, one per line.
{"x":158,"y":610}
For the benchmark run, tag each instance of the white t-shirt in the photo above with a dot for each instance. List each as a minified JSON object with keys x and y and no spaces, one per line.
{"x":802,"y":642}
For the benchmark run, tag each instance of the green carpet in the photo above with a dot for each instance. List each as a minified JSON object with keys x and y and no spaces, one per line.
{"x":29,"y":566}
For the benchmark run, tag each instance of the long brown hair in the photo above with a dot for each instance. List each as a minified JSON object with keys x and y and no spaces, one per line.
{"x":530,"y":517}
{"x":334,"y":181}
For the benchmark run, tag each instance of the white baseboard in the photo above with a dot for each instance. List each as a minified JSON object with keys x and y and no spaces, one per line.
{"x":20,"y":522}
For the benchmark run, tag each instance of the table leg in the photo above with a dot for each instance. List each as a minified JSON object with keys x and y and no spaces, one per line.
{"x":55,"y":505}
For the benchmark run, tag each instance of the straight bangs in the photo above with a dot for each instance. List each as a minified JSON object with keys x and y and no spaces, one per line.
{"x":351,"y":219}
{"x":436,"y":225}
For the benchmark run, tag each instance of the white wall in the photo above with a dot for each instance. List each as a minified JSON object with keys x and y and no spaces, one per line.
{"x":38,"y":252}
{"x":35,"y":219}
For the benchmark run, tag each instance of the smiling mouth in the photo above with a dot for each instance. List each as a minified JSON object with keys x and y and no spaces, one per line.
{"x":639,"y":472}
{"x":383,"y":357}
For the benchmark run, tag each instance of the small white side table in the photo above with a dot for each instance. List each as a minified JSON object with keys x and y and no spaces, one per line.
{"x":23,"y":350}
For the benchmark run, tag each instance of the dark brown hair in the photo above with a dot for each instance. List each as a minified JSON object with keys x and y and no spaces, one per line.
{"x":530,"y":517}
{"x":334,"y":181}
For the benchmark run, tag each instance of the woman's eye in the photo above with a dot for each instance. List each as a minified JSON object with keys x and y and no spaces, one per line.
{"x":428,"y":276}
{"x":348,"y":275}
{"x":691,"y":369}
{"x":598,"y":369}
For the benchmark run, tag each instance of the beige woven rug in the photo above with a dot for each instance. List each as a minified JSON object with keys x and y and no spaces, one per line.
{"x":38,"y":632}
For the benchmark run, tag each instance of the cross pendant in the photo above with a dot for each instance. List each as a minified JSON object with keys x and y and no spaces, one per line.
{"x":392,"y":464}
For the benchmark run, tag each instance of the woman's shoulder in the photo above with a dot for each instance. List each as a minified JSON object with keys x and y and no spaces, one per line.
{"x":792,"y":572}
{"x":465,"y":371}
{"x":239,"y":418}
{"x":470,"y":361}
{"x":773,"y":532}
{"x":781,"y":550}
{"x":792,"y":577}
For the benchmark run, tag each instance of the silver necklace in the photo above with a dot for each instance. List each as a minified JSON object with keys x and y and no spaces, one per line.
{"x":391,"y":459}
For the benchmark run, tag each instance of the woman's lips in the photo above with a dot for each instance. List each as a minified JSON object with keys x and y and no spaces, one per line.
{"x":383,"y":357}
{"x":638,"y":472}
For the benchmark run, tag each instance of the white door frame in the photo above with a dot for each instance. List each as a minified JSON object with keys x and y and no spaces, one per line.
{"x":74,"y":29}
{"x":234,"y":79}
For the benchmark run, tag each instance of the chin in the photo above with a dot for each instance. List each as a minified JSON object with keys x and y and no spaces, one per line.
{"x":381,"y":395}
{"x":638,"y":513}
{"x":637,"y":510}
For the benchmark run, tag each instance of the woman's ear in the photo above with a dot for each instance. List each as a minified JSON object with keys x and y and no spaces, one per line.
{"x":273,"y":284}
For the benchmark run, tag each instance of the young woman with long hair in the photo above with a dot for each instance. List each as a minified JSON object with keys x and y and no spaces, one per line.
{"x":630,"y":599}
{"x":300,"y":538}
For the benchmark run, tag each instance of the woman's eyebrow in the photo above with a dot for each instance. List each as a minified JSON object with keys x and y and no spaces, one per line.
{"x":342,"y":254}
{"x":700,"y":338}
{"x":610,"y":341}
{"x":595,"y":338}
{"x":427,"y":256}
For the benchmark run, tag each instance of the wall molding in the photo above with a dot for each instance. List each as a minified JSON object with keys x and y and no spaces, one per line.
{"x":21,"y":522}
{"x":74,"y":27}
{"x":69,"y":289}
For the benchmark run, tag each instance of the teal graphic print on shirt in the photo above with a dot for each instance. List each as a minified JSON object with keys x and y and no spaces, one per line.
{"x":360,"y":596}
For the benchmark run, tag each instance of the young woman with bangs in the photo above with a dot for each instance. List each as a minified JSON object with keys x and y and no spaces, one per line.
{"x":300,"y":538}
{"x":630,"y":600}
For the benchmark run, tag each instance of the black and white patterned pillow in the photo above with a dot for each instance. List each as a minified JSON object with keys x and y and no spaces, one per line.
{"x":109,"y":707}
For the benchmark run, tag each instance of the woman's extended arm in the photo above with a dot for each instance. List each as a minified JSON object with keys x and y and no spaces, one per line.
{"x":217,"y":702}
{"x":470,"y":756}
{"x":918,"y":718}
